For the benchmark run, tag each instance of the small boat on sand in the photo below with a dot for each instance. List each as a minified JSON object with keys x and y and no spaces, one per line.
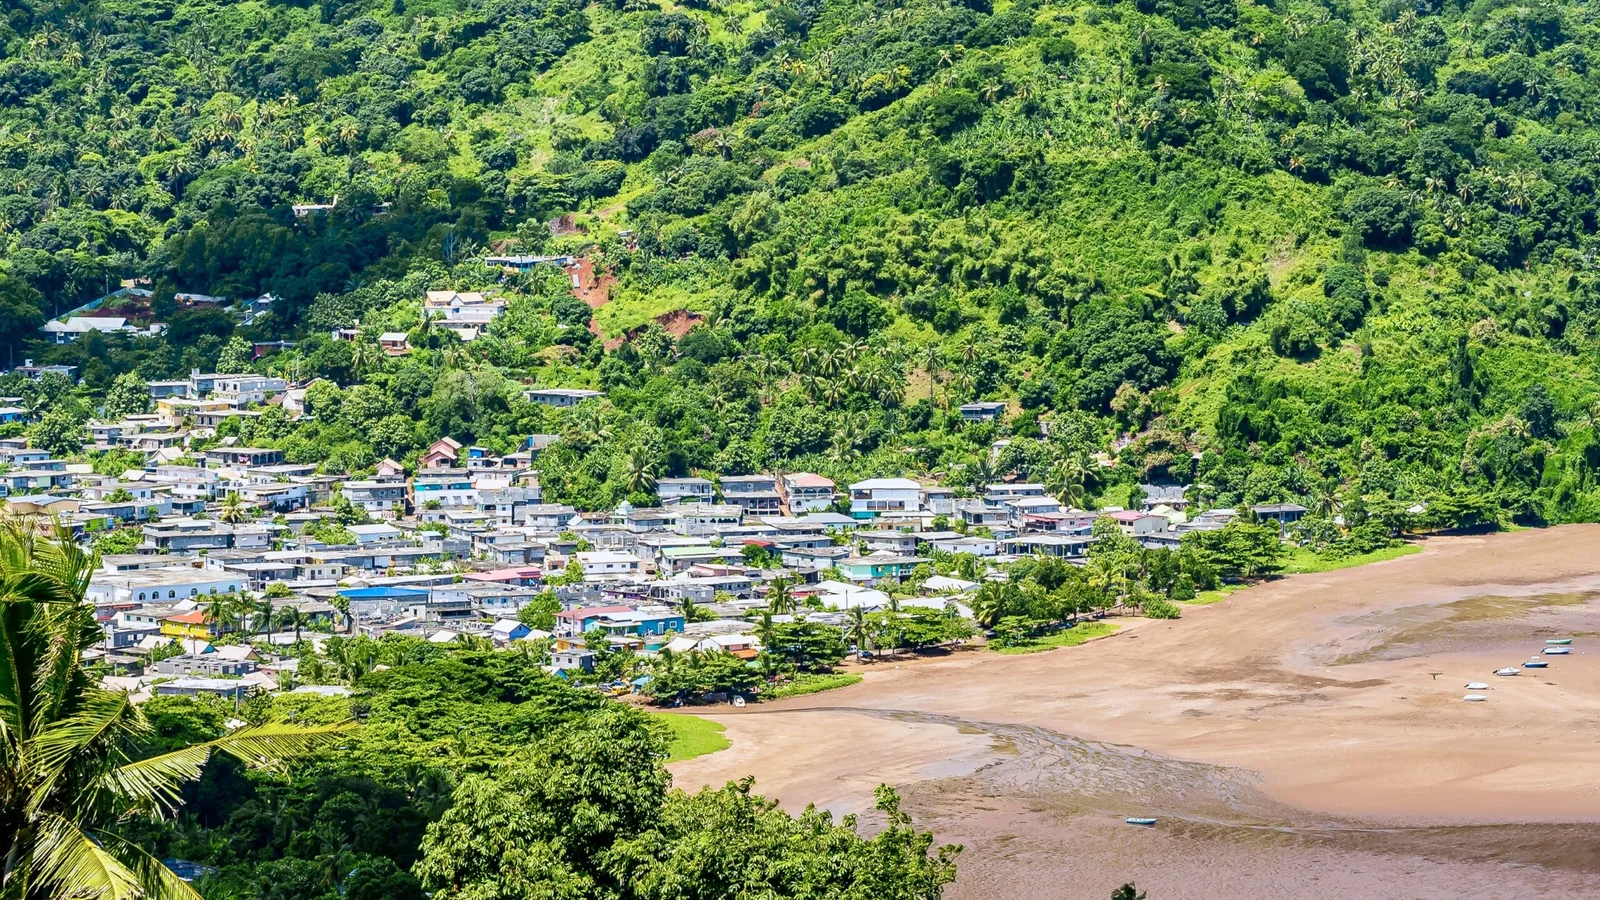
{"x":1475,"y":698}
{"x":1557,"y":651}
{"x":1536,"y":664}
{"x":1135,"y":820}
{"x":1477,"y":686}
{"x":1560,"y":642}
{"x":1508,"y":670}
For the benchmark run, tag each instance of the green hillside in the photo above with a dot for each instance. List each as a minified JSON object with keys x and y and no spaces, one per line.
{"x":1342,"y":253}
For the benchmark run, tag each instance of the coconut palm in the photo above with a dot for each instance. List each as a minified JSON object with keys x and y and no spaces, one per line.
{"x":780,"y":597}
{"x":263,"y":617}
{"x":858,"y":629}
{"x":222,"y":610}
{"x":364,"y":355}
{"x":989,"y":604}
{"x":767,"y":632}
{"x":234,"y":511}
{"x":292,"y":617}
{"x":70,"y":750}
{"x":691,"y":610}
{"x":639,"y":474}
{"x":1065,"y":481}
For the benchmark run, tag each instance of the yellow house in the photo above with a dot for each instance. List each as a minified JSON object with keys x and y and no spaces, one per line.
{"x":193,"y":624}
{"x":172,"y":410}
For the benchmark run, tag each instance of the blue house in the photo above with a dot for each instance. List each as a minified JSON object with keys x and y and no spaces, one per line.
{"x":640,"y":623}
{"x":384,"y":593}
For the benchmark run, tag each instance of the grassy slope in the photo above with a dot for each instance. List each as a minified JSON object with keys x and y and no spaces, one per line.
{"x":1304,"y":562}
{"x":692,"y":736}
{"x":1069,"y":637}
{"x":813,"y":684}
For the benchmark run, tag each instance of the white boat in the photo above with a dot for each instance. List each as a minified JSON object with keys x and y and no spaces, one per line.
{"x":1475,"y":698}
{"x":1557,"y":651}
{"x":1477,"y":686}
{"x":1508,"y":670}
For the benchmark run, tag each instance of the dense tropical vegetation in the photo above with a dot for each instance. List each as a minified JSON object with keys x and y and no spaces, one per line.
{"x":1338,"y":251}
{"x":476,"y":774}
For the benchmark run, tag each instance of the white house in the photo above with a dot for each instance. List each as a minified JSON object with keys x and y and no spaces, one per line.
{"x":165,"y":584}
{"x":607,"y":565}
{"x":875,"y":496}
{"x":840,"y":595}
{"x":75,"y":327}
{"x":807,"y":492}
{"x":707,"y":518}
{"x":242,"y":389}
{"x":372,"y":534}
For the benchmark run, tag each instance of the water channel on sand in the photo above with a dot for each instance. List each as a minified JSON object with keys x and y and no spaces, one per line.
{"x":1304,"y":739}
{"x":1044,"y":818}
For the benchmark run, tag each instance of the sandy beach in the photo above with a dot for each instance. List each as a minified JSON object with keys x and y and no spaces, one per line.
{"x":1303,"y":738}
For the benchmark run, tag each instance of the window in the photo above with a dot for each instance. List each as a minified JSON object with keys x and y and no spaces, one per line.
{"x":141,"y":595}
{"x":172,"y":595}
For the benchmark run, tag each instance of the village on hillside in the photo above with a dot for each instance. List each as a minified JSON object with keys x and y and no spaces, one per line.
{"x":241,"y":556}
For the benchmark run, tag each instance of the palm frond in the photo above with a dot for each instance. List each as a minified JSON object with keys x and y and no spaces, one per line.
{"x":155,"y":781}
{"x":99,"y":730}
{"x":158,"y":881}
{"x":70,"y":864}
{"x":16,"y":671}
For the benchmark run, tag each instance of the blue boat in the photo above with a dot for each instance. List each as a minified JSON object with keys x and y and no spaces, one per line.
{"x":1138,"y":821}
{"x":1557,"y":651}
{"x":1536,"y":664}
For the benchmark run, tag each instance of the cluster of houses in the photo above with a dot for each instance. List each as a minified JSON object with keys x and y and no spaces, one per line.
{"x":466,"y":314}
{"x":90,"y":319}
{"x":458,"y":546}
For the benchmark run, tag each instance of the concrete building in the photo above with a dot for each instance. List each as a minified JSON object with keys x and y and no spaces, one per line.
{"x":878,"y":496}
{"x":562,"y":397}
{"x":808,"y":492}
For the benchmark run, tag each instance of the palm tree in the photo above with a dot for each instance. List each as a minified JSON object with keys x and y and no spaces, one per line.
{"x":857,"y":629}
{"x":767,"y":633}
{"x":292,"y":617}
{"x":639,"y":475}
{"x":363,"y":355}
{"x":690,"y":609}
{"x":222,"y":611}
{"x":70,"y":749}
{"x":1065,"y":481}
{"x":932,"y":358}
{"x":233,"y":509}
{"x":989,"y":604}
{"x":780,"y":598}
{"x":1103,"y":576}
{"x":263,"y":614}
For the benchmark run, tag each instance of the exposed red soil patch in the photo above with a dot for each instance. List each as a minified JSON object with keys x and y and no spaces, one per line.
{"x":677,"y":323}
{"x":594,"y":291}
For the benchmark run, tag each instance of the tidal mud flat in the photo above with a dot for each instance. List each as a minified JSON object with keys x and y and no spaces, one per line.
{"x":1305,"y":738}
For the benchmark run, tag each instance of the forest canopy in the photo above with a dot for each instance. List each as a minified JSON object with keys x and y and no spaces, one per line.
{"x":1277,"y":250}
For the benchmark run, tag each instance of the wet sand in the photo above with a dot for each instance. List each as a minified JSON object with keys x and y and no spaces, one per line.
{"x":1293,"y":739}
